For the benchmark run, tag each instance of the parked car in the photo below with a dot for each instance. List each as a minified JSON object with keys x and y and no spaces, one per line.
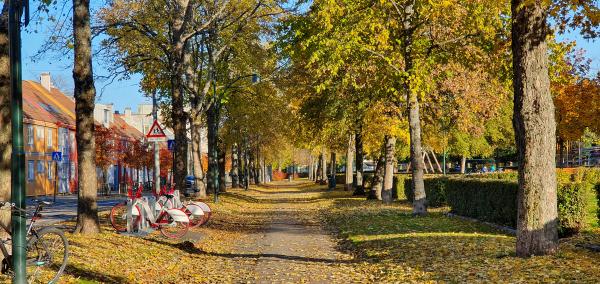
{"x":190,"y":186}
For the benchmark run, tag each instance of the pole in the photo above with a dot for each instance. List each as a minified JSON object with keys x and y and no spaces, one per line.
{"x":55,"y":180}
{"x":215,"y":171}
{"x":156,"y":149}
{"x":18,"y":159}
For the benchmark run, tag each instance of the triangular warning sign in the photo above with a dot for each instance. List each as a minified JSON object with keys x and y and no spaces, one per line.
{"x":156,"y":131}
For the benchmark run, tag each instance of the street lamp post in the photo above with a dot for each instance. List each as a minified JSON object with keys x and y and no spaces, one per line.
{"x":17,"y":159}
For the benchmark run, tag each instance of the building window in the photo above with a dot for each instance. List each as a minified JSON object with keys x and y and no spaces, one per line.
{"x":49,"y":137}
{"x":105,"y":116}
{"x":50,"y":171}
{"x":61,"y":137}
{"x":30,"y":135}
{"x":30,"y":170}
{"x":40,"y":133}
{"x":41,"y":168}
{"x":73,"y":170}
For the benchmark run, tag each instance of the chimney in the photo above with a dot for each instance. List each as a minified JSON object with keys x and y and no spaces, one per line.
{"x":46,"y":81}
{"x":117,"y":112}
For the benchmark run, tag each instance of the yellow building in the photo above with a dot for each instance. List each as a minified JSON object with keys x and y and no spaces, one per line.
{"x":49,"y":123}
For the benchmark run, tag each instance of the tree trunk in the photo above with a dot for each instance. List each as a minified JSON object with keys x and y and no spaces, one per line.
{"x":535,"y":130}
{"x":324,"y":167}
{"x":561,"y":152}
{"x":333,"y":164}
{"x":377,"y":183}
{"x":251,"y":167}
{"x":390,"y":163}
{"x":349,"y":164}
{"x":310,"y":165}
{"x":240,"y":171}
{"x":222,"y":172}
{"x":85,"y":98}
{"x":179,"y":118}
{"x":213,"y":152}
{"x":414,"y":119}
{"x":196,"y":128}
{"x":463,"y":164}
{"x":316,"y":174}
{"x":359,"y":187}
{"x":319,"y":173}
{"x":247,"y":166}
{"x":255,"y":166}
{"x":5,"y":124}
{"x":234,"y":165}
{"x":263,"y":168}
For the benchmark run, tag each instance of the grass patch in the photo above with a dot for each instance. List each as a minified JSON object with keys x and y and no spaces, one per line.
{"x":402,"y":248}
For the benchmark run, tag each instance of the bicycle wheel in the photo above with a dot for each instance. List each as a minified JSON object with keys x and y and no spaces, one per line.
{"x":118,"y":217}
{"x":207,"y":213}
{"x":172,"y":229}
{"x":47,"y":255}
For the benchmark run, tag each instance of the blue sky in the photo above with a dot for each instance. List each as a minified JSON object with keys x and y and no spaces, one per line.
{"x":126,"y":92}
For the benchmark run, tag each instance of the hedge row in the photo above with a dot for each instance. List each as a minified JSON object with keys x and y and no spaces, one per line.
{"x":495,"y":200}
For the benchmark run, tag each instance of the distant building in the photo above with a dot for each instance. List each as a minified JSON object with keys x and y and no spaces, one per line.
{"x":142,"y":119}
{"x":48,"y":126}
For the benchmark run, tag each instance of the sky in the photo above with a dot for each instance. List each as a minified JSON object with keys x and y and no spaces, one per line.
{"x":126,"y":93}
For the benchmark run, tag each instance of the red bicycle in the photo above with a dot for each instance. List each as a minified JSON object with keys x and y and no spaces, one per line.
{"x":198,"y":212}
{"x":172,"y":222}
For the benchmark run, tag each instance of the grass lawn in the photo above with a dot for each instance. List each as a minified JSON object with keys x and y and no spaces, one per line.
{"x":402,"y":248}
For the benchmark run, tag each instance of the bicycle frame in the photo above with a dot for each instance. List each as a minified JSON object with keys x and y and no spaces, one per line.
{"x":30,"y":230}
{"x":176,"y":214}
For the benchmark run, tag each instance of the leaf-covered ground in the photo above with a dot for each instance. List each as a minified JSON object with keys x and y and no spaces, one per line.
{"x":278,"y":233}
{"x":402,"y":248}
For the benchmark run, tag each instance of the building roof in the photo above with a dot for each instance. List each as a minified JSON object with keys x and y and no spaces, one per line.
{"x":42,"y":105}
{"x":125,"y":129}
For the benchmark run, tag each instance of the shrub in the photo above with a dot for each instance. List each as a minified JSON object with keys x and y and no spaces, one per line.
{"x":399,"y":186}
{"x":485,"y":199}
{"x":598,"y":201}
{"x":572,"y":207}
{"x":502,"y":176}
{"x":496,"y":201}
{"x":340,"y":178}
{"x":434,"y":190}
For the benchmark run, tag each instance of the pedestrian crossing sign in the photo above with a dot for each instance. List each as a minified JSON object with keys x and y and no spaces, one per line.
{"x":156,"y":133}
{"x":57,"y":156}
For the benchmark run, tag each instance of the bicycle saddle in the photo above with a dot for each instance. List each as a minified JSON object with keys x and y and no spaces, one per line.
{"x":41,"y":202}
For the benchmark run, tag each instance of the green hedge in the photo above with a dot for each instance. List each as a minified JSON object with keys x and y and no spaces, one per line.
{"x":496,"y":201}
{"x":598,"y":202}
{"x":434,"y":190}
{"x":485,"y":199}
{"x":572,"y":209}
{"x":501,"y":176}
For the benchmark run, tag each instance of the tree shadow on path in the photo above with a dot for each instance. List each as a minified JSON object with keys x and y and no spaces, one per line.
{"x":189,"y":247}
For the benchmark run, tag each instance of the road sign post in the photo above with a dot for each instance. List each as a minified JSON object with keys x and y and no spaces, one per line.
{"x":156,"y":134}
{"x":56,"y":157}
{"x":171,"y":146}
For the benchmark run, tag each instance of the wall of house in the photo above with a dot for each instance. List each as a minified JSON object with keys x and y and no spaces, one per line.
{"x":40,"y":140}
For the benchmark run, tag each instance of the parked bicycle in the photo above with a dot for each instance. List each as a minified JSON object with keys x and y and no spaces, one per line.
{"x":172,"y":223}
{"x":47,"y":248}
{"x":198,"y":211}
